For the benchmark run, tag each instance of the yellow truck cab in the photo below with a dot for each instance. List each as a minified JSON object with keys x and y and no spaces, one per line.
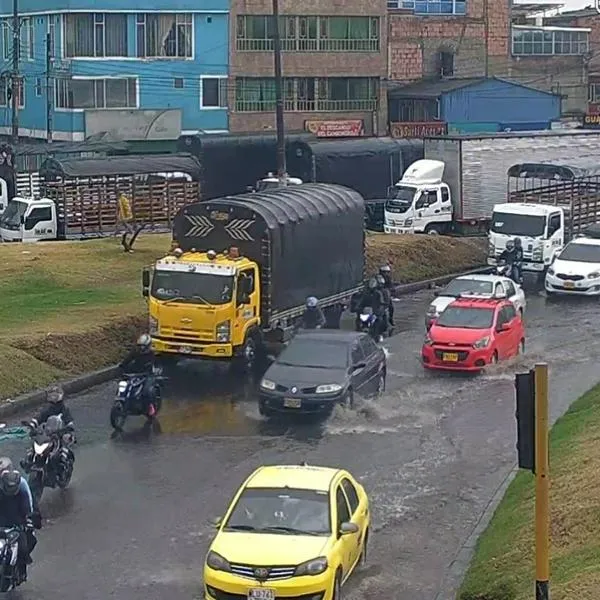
{"x":243,"y":266}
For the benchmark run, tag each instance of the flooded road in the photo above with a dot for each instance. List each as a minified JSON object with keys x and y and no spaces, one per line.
{"x":431,"y":452}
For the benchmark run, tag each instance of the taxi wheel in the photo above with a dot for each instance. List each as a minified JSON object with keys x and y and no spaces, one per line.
{"x":337,"y":587}
{"x":381,"y":382}
{"x":365,"y":550}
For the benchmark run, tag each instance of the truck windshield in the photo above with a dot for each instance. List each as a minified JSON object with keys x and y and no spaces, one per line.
{"x":513,"y":224}
{"x":11,"y":219}
{"x":589,"y":253}
{"x":192,"y":288}
{"x":400,"y":198}
{"x":263,"y":185}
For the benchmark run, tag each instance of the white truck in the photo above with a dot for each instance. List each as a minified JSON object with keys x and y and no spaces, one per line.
{"x":548,"y":204}
{"x":455,"y":188}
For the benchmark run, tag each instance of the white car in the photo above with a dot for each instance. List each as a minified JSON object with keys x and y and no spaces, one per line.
{"x":483,"y":286}
{"x":576,"y":270}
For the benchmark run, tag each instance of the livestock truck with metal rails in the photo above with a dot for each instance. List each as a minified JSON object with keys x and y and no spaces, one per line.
{"x":548,"y":204}
{"x":243,"y":266}
{"x":455,"y":187}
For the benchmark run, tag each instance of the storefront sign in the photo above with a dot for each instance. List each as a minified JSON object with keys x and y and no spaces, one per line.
{"x":328,"y":129}
{"x":417,"y":129}
{"x":591,"y":121}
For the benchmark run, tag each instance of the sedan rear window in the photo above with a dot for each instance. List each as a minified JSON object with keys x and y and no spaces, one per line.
{"x":281,"y":511}
{"x":314,"y":353}
{"x":581,"y":253}
{"x":466,"y":318}
{"x":467,"y":286}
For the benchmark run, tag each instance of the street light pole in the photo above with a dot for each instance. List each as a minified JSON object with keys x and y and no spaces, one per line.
{"x":279,"y":122}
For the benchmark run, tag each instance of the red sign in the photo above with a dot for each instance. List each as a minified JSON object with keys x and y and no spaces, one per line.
{"x":417,"y":129}
{"x":354,"y":128}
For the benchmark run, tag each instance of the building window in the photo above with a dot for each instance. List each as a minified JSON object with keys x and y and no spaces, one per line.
{"x":541,"y":42}
{"x":38,"y":87}
{"x":178,"y":83}
{"x":52,"y":34}
{"x":306,"y":94}
{"x":27,"y":39}
{"x":309,"y":34}
{"x":95,"y":35}
{"x":6,"y":40}
{"x":416,"y":111}
{"x":6,"y":93}
{"x":164,"y":35}
{"x":96,"y":93}
{"x":213,"y":92}
{"x":431,"y":7}
{"x":594,"y":93}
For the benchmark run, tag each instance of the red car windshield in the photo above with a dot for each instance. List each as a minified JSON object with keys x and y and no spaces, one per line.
{"x":466,"y":318}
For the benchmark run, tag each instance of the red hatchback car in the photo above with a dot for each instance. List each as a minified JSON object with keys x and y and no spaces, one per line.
{"x":472,"y":333}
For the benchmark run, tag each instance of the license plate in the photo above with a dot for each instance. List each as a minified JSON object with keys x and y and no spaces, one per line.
{"x":450,"y":357}
{"x":185,"y":349}
{"x":261,"y":594}
{"x":569,"y":285}
{"x":292,"y":402}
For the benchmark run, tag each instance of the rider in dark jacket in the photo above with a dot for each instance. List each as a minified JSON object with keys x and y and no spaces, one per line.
{"x":140,"y":361}
{"x":16,"y":509}
{"x":386,"y":272}
{"x":509,"y":256}
{"x":313,"y":317}
{"x":518,"y":264}
{"x":374,"y":298}
{"x":55,"y":405}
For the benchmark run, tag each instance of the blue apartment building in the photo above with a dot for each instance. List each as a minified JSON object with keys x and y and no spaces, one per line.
{"x":128,"y":67}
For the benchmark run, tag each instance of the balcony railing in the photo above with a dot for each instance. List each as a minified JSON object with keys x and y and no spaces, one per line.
{"x":308,"y":45}
{"x":307,"y":105}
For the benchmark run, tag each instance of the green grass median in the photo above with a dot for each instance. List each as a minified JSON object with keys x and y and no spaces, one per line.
{"x":503,"y":567}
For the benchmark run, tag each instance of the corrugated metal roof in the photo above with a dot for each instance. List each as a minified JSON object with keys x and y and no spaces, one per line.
{"x":435,"y":89}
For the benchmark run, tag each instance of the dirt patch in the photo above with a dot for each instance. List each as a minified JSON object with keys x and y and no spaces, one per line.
{"x":74,"y":307}
{"x":419,"y":257}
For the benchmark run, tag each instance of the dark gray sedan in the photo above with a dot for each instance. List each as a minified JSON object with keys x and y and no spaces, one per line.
{"x":321,"y":368}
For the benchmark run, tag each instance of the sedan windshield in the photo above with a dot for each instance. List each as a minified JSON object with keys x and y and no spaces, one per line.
{"x":201,"y":288}
{"x":512,"y":224}
{"x":314,"y":354}
{"x":581,"y":253}
{"x":466,"y":318}
{"x":467,"y":286}
{"x":281,"y":511}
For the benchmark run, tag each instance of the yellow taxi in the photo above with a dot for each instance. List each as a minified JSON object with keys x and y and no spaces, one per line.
{"x":292,"y":532}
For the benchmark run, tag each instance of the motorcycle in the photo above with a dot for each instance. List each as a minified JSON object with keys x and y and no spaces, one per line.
{"x":505,"y":269}
{"x":12,"y":574}
{"x":369,"y":322}
{"x":130,"y":401}
{"x":50,"y":461}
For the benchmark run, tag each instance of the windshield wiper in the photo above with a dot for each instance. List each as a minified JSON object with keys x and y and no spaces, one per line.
{"x":184,"y":298}
{"x":242,"y":527}
{"x":176,"y":299}
{"x":290,"y":530}
{"x":204,"y":300}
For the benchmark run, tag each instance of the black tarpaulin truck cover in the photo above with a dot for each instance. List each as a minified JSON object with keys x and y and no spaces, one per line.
{"x":308,"y":240}
{"x":142,"y":164}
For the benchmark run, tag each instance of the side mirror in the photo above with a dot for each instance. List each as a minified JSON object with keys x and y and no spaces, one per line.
{"x":216,"y":522}
{"x":357,"y":366}
{"x":348,"y":528}
{"x":146,"y":277}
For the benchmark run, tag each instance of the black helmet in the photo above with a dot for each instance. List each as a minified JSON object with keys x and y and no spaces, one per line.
{"x":518,"y":242}
{"x":10,"y":482}
{"x":372,"y":283}
{"x":55,"y":394}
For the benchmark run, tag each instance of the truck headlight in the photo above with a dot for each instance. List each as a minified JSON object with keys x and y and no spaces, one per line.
{"x":152,"y":326}
{"x":537,"y":254}
{"x":408,"y":222}
{"x":224,"y":332}
{"x":491,"y":250}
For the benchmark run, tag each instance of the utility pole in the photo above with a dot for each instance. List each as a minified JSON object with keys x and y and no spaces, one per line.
{"x":49,"y":87}
{"x":281,"y":166}
{"x":15,"y":79}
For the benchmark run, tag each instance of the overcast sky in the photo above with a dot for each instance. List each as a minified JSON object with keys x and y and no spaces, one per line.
{"x":573,"y":4}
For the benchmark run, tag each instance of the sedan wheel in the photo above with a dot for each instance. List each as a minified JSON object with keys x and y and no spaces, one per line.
{"x":381,"y":382}
{"x":348,"y":400}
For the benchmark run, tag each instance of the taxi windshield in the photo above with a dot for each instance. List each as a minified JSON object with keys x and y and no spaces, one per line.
{"x":463,"y":317}
{"x":281,"y":511}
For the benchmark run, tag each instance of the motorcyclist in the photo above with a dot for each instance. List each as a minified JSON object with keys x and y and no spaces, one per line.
{"x":386,"y":272}
{"x":55,"y":406}
{"x":141,"y":361}
{"x":16,"y":509}
{"x":313,"y":317}
{"x":518,"y":264}
{"x":508,"y":255}
{"x":373,"y":297}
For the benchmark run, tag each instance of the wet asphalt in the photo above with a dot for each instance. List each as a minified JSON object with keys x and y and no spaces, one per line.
{"x":135,"y":523}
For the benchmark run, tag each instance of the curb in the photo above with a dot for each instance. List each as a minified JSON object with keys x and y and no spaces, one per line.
{"x":71,"y":386}
{"x":88,"y":380}
{"x":408,"y":288}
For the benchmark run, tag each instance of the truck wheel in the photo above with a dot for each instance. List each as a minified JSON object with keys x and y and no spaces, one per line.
{"x":433,"y":230}
{"x":249,"y":354}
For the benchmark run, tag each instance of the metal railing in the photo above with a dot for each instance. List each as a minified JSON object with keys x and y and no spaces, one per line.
{"x":307,"y":105}
{"x":308,"y":45}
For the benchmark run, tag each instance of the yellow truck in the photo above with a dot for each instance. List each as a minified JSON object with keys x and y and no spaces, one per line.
{"x":242,"y":267}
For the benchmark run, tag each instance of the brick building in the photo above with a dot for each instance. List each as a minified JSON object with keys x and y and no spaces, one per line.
{"x":334,"y":63}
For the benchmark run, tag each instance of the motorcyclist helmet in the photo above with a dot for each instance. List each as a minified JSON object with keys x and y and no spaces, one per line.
{"x":6,"y":464}
{"x":518,"y":242}
{"x":380,"y":280}
{"x":385,"y":269}
{"x":10,"y":482}
{"x":510,"y":245}
{"x":144,"y":342}
{"x":55,"y":394}
{"x":372,"y":283}
{"x":311,"y":302}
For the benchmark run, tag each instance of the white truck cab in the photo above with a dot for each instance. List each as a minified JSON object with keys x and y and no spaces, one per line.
{"x":271,"y":182}
{"x":29,"y":220}
{"x":420,"y":202}
{"x":540,"y":227}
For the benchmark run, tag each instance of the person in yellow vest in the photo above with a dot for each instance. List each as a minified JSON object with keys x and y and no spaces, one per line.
{"x":125,"y":217}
